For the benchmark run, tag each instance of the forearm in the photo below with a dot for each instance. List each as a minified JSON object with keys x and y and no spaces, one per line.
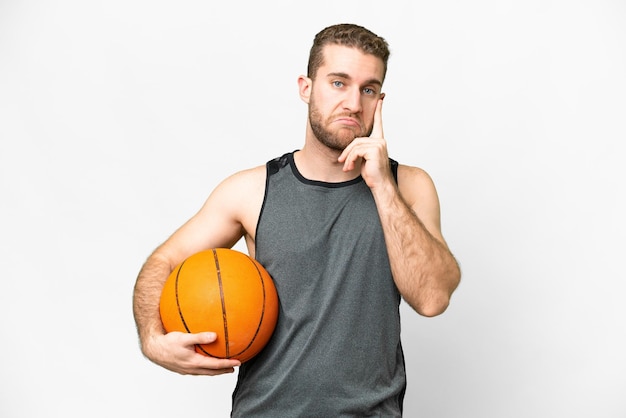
{"x":147,"y":295}
{"x":424,"y":270}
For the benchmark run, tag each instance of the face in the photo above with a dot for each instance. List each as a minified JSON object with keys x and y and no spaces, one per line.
{"x":342,"y":98}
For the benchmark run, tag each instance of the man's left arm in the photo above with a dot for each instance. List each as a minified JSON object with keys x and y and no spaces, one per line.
{"x":425,"y":271}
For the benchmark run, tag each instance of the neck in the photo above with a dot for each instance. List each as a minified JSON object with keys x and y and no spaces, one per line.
{"x":318,"y":162}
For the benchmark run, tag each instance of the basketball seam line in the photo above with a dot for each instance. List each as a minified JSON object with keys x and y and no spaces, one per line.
{"x":219,"y":281}
{"x":258,"y":328}
{"x":180,"y":310}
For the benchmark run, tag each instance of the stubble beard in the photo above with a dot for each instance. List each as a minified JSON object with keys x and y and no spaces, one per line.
{"x":335,"y":140}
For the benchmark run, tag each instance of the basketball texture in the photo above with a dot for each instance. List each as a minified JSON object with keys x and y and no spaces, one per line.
{"x":223,"y":291}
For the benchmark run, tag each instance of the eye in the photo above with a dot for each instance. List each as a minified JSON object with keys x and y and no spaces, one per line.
{"x":369,"y":91}
{"x":338,"y":83}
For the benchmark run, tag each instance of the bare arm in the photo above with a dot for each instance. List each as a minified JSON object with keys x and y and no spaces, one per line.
{"x":424,"y":270}
{"x":224,"y":218}
{"x":174,"y":351}
{"x":423,"y":267}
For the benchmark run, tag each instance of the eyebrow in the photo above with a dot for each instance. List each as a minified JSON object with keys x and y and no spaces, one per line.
{"x":347,"y":77}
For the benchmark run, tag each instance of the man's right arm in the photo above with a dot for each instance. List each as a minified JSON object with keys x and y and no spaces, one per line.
{"x":227,"y":214}
{"x":174,"y":351}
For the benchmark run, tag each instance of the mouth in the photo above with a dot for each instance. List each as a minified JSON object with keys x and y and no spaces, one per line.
{"x":348,"y":121}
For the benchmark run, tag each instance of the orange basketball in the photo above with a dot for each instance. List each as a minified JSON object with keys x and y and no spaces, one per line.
{"x":224,"y":291}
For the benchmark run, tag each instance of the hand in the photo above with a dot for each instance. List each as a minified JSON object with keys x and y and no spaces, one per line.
{"x":176,"y":351}
{"x":371,"y":151}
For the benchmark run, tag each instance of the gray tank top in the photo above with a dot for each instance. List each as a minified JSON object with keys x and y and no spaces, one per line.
{"x":336,"y":349}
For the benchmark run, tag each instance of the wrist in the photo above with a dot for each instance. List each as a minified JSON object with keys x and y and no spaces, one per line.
{"x":386,"y":193}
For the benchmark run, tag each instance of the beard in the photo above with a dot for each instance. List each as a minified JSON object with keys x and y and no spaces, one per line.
{"x":336,"y":140}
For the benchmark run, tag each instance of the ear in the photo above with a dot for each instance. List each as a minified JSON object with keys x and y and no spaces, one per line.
{"x":382,"y":96}
{"x":305,"y":84}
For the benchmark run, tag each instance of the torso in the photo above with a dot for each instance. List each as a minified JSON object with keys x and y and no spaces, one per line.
{"x":339,"y":306}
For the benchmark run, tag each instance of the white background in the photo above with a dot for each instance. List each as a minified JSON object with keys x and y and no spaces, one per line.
{"x":117,"y":118}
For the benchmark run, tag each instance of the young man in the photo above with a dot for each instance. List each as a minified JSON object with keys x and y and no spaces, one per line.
{"x":345,"y":232}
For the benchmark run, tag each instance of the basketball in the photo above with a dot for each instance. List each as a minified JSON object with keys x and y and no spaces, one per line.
{"x":223,"y":291}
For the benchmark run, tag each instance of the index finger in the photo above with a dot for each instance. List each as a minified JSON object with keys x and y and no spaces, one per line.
{"x":377,"y":128}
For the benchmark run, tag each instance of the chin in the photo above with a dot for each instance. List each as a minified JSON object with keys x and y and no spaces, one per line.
{"x":340,"y":144}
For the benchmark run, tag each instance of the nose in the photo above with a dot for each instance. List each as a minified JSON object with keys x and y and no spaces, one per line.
{"x":352,"y":100}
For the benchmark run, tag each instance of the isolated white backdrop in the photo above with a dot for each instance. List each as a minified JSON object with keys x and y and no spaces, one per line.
{"x":117,"y":118}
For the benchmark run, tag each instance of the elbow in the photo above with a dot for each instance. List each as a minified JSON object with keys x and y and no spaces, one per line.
{"x":438,"y":300}
{"x":434,"y":307}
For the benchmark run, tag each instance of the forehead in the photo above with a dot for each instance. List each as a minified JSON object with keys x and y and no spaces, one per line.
{"x":339,"y":59}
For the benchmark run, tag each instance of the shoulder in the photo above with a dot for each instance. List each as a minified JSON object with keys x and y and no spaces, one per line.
{"x":240,"y":190}
{"x":250,"y":178}
{"x":232,"y":207}
{"x":418,"y":190}
{"x":414,"y":182}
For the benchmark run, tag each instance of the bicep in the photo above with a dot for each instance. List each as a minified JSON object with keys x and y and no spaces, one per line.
{"x":216,"y":225}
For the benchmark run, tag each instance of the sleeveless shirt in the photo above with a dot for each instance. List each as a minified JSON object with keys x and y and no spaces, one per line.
{"x":336,"y":349}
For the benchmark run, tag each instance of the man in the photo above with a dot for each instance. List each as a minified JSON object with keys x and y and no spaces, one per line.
{"x":345,"y":232}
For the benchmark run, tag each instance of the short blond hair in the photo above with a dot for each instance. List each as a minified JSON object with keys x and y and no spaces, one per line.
{"x":350,"y":35}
